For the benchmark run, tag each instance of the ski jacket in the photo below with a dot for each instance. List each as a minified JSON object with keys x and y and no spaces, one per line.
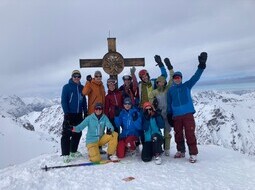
{"x":132,"y":91}
{"x":72,"y":100}
{"x":95,"y":92}
{"x":146,"y":88}
{"x":96,"y":128}
{"x":179,"y":101}
{"x":112,"y":100}
{"x":128,"y":126}
{"x":160,"y":95}
{"x":152,"y":125}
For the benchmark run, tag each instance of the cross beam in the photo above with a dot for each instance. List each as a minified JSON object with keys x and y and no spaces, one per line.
{"x":113,"y":62}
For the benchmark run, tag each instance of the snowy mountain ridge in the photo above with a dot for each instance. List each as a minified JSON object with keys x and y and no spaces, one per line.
{"x":222,"y":118}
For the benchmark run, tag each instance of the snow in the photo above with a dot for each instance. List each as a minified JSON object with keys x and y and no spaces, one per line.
{"x":222,"y":118}
{"x":217,"y":168}
{"x":18,"y":144}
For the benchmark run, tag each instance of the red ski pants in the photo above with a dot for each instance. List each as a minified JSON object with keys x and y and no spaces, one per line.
{"x":126,"y":143}
{"x":185,"y":126}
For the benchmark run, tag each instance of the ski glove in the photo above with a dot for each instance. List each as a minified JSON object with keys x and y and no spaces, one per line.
{"x":89,"y":78}
{"x":132,"y":70}
{"x":158,"y":61}
{"x":155,"y":103}
{"x":168,"y":64}
{"x":109,"y":131}
{"x":146,"y":114}
{"x":170,"y":119}
{"x":135,"y":116}
{"x":67,"y":126}
{"x":202,"y":60}
{"x":117,"y":111}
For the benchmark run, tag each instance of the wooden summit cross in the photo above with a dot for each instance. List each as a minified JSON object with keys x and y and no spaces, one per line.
{"x":113,"y":62}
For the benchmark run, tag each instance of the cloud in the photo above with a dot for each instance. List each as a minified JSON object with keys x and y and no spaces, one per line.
{"x":41,"y":42}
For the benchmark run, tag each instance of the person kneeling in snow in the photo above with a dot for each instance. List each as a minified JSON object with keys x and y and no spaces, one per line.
{"x":97,"y":122}
{"x":152,"y":123}
{"x":129,"y":119}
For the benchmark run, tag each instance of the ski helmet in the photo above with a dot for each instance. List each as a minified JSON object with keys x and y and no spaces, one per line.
{"x":143,"y":72}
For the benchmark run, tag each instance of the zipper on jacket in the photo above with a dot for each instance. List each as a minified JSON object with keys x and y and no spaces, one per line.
{"x":78,"y":96}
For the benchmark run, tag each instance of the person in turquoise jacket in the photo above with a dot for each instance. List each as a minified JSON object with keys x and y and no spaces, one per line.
{"x":129,"y":120}
{"x":97,"y":123}
{"x":180,"y":110}
{"x":152,"y":123}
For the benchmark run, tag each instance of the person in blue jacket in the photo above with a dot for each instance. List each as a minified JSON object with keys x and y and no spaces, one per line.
{"x":129,"y":120}
{"x":97,"y":123}
{"x":152,"y":123}
{"x":180,"y":110}
{"x":74,"y":106}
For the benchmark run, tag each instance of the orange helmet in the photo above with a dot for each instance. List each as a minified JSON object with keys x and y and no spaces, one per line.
{"x":147,"y":104}
{"x":142,"y":73}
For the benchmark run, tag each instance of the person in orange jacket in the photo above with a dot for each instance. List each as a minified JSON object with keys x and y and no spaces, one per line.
{"x":94,"y":89}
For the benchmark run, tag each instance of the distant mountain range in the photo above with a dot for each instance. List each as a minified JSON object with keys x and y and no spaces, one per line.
{"x":223,"y":118}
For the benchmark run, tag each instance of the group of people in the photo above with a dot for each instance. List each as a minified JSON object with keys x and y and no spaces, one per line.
{"x":133,"y":115}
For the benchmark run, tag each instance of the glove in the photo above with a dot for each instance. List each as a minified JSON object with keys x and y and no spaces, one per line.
{"x":155,"y":103}
{"x":132,"y":70}
{"x":108,"y":131}
{"x":117,"y":111}
{"x":89,"y":78}
{"x":202,"y":60}
{"x":135,"y":116}
{"x":67,"y":126}
{"x":158,"y":61}
{"x":146,"y":114}
{"x":168,"y":64}
{"x":170,"y":119}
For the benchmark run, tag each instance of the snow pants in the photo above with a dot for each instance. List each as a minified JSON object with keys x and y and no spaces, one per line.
{"x":124,"y":144}
{"x":152,"y":148}
{"x":93,"y":148}
{"x":185,"y":125}
{"x":69,"y":139}
{"x":167,"y":135}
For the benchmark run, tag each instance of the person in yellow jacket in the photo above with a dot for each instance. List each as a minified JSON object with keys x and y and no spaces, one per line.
{"x":158,"y":98}
{"x":94,"y":89}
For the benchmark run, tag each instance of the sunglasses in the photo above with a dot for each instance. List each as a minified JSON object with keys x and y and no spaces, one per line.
{"x":98,"y":76}
{"x":149,"y":109}
{"x":77,"y":76}
{"x":127,"y":103}
{"x":98,"y":109}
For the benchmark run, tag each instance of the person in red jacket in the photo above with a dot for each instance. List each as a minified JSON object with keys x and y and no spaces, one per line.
{"x":113,"y":101}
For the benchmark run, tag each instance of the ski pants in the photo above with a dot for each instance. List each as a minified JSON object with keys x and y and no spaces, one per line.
{"x":167,"y":135}
{"x":93,"y":148}
{"x":152,"y":148}
{"x":69,"y":139}
{"x":185,"y":125}
{"x":124,"y":144}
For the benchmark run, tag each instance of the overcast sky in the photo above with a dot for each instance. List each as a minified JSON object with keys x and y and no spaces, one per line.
{"x":41,"y":42}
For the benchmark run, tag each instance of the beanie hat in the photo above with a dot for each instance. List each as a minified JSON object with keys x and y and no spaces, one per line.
{"x":76,"y":72}
{"x":98,"y":105}
{"x":98,"y":73}
{"x":177,"y":73}
{"x":147,"y":104}
{"x":161,"y":79}
{"x":127,"y":100}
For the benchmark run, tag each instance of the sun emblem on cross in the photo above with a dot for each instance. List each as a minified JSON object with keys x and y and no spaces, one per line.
{"x":113,"y":63}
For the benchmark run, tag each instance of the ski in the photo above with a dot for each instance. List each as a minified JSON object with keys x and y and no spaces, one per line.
{"x":46,"y":168}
